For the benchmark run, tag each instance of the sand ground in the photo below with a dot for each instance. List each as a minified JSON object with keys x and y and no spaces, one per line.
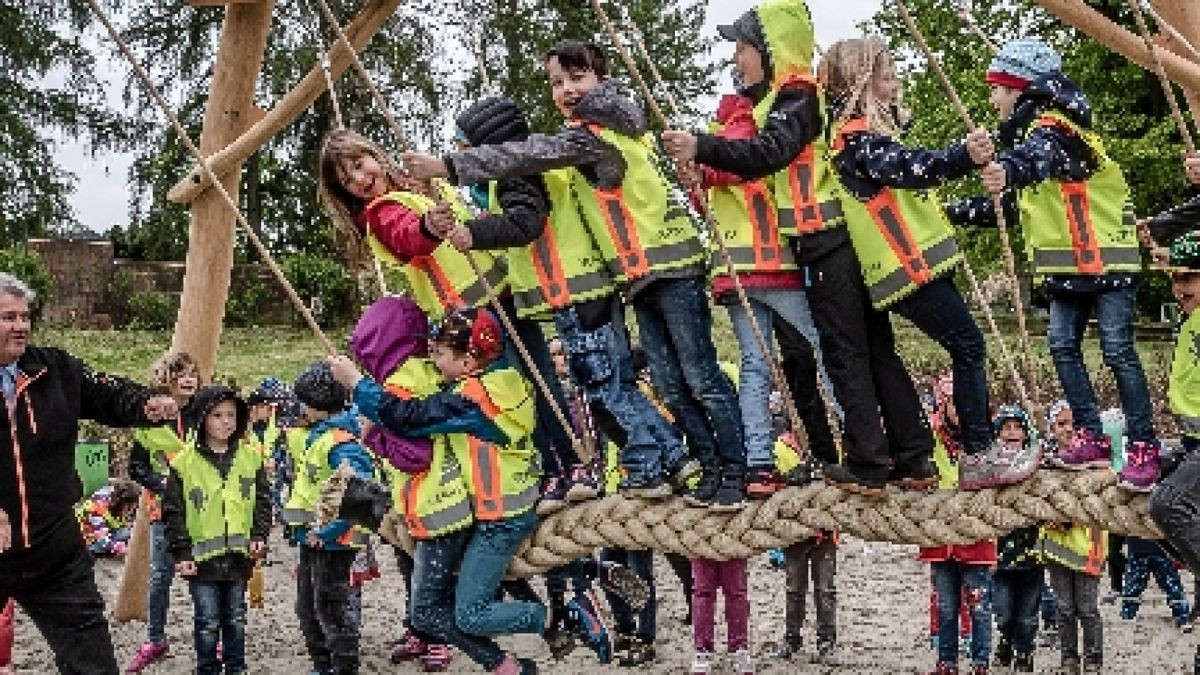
{"x":883,"y":597}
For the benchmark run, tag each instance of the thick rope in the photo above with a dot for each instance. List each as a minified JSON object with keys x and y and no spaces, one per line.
{"x":186,"y":140}
{"x":1088,"y":498}
{"x":1168,"y":90}
{"x":1032,"y":403}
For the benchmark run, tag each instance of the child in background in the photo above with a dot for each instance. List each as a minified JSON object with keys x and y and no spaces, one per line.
{"x":217,"y":512}
{"x":106,"y":518}
{"x":1019,"y":576}
{"x":733,"y":579}
{"x":1074,"y":556}
{"x":1148,"y":557}
{"x":175,"y":374}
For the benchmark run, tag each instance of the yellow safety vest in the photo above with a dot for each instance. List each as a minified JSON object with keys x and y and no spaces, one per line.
{"x":436,"y":501}
{"x":563,"y":266}
{"x":312,"y":470}
{"x":1184,"y":389}
{"x":219,"y":512}
{"x":1084,"y":227}
{"x":639,"y":227}
{"x":267,"y":444}
{"x":902,"y":238}
{"x":443,"y":280}
{"x":162,"y":444}
{"x":1083,"y":549}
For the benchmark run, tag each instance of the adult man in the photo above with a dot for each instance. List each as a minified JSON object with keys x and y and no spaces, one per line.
{"x":44,"y":565}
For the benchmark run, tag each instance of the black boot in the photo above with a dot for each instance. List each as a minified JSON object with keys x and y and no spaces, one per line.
{"x":1023,"y":663}
{"x":365,"y":502}
{"x":731,"y":494}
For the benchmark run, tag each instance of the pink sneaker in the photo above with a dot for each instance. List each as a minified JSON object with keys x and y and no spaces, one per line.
{"x":411,"y":647}
{"x":437,"y":658}
{"x":1141,"y":466}
{"x":1087,"y":451}
{"x":148,"y":653}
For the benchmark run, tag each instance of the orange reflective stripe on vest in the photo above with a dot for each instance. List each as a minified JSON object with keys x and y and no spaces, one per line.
{"x":449,"y":297}
{"x":802,"y":178}
{"x":886,"y":214}
{"x":485,"y":478}
{"x":1095,"y":558}
{"x":546,"y":263}
{"x":764,"y":223}
{"x":399,"y":392}
{"x":618,"y":219}
{"x":416,"y":527}
{"x":1083,"y":233}
{"x":473,"y":389}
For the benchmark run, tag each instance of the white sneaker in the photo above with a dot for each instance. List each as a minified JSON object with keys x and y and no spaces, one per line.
{"x":742,"y":663}
{"x":702,"y":663}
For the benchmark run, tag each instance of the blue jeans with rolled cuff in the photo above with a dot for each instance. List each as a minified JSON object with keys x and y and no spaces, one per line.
{"x":220,"y":618}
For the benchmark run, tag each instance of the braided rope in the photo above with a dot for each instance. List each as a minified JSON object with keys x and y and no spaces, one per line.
{"x":927,"y":519}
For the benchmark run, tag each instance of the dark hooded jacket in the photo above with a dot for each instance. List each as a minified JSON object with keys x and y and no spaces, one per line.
{"x":1045,"y":153}
{"x":390,"y":332}
{"x":230,"y":566}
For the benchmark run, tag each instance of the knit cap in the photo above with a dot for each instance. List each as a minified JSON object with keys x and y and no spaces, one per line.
{"x":473,"y":331}
{"x":1184,"y":255}
{"x":317,"y":389}
{"x":1022,"y":61}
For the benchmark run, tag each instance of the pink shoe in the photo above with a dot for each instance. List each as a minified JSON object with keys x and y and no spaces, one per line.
{"x":1087,"y":451}
{"x":411,"y":648}
{"x":148,"y":653}
{"x":437,"y":658}
{"x":1141,"y":466}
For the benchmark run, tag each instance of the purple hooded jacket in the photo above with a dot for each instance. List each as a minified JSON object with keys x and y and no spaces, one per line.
{"x":391,"y":331}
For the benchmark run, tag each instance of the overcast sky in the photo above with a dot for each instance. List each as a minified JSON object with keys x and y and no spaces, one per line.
{"x":102,"y":197}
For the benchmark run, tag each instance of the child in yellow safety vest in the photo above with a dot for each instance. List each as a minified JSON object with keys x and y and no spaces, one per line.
{"x":217,"y":511}
{"x":1074,"y":556}
{"x":176,"y":374}
{"x":480,"y":422}
{"x":1078,"y":227}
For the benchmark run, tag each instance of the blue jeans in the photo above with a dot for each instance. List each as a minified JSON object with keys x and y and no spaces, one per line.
{"x":435,"y":564}
{"x":601,"y":364}
{"x":1015,"y":598}
{"x":642,"y":625}
{"x":1115,"y":311}
{"x":1049,"y":607}
{"x":755,"y":384}
{"x":488,"y":554}
{"x":675,"y":323}
{"x":949,"y":578}
{"x":220,"y":617}
{"x":937,"y":309}
{"x":162,"y":571}
{"x":323,"y":608}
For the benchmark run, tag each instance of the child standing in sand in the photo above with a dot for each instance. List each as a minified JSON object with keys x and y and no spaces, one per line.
{"x":733,"y":580}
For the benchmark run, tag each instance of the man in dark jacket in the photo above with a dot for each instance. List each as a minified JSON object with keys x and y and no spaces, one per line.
{"x":44,"y":564}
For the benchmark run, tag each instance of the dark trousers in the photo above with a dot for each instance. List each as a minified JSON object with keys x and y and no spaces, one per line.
{"x":1078,"y":595}
{"x":322,"y":607}
{"x":815,"y":558}
{"x":682,"y":567}
{"x":869,"y":379}
{"x":54,"y":585}
{"x":799,"y":363}
{"x":642,"y":624}
{"x":1175,"y":508}
{"x":1116,"y":562}
{"x":1016,"y":595}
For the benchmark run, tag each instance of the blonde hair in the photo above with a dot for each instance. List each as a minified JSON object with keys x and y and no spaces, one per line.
{"x":167,"y":368}
{"x":339,"y":146}
{"x":848,"y":72}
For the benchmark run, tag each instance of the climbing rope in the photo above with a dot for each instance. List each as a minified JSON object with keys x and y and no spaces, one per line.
{"x":1171,"y":30}
{"x":1168,"y":90}
{"x":965,"y":11}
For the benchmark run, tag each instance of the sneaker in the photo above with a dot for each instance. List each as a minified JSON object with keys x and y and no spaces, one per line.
{"x":1087,"y":451}
{"x":702,"y":663}
{"x":582,"y":485}
{"x":411,"y":647}
{"x":1141,"y":466}
{"x":514,"y":666}
{"x":742,"y":663}
{"x":731,"y":493}
{"x":583,"y":623}
{"x":921,"y":475}
{"x":1003,"y":657}
{"x":147,"y":654}
{"x":839,"y":476}
{"x":763,"y":482}
{"x":827,"y":655}
{"x":638,"y":654}
{"x":1023,"y":663}
{"x":776,"y":559}
{"x":681,"y":473}
{"x":998,"y":466}
{"x":1092,"y":666}
{"x":644,"y":488}
{"x":436,"y":659}
{"x":702,"y":494}
{"x":944,"y":668}
{"x":789,"y":647}
{"x":554,"y":496}
{"x":621,"y":580}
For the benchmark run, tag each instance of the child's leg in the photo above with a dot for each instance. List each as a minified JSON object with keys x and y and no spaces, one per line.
{"x":162,"y":572}
{"x":487,"y":556}
{"x":675,"y":322}
{"x":1068,"y":320}
{"x":206,"y":632}
{"x":622,"y":613}
{"x":1175,"y":508}
{"x":641,"y":563}
{"x":754,"y":385}
{"x":549,"y":436}
{"x":824,"y":575}
{"x":1115,"y":312}
{"x":978,"y":583}
{"x":1137,"y":577}
{"x":233,"y":625}
{"x":331,"y":575}
{"x":1087,"y":603}
{"x":801,"y":367}
{"x":948,"y":583}
{"x":1049,"y":604}
{"x":1027,"y":592}
{"x":1168,"y":580}
{"x":1062,"y":580}
{"x":796,"y":558}
{"x":734,"y":581}
{"x":1116,"y":562}
{"x":704,"y":593}
{"x":306,"y":609}
{"x":1004,"y":599}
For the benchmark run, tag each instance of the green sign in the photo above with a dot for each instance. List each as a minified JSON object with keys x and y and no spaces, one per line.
{"x":91,"y":463}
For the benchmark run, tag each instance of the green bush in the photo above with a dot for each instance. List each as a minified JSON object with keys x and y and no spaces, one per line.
{"x":246,"y":305}
{"x":317,"y":277}
{"x":153,"y":310}
{"x":29,"y":267}
{"x":120,"y":293}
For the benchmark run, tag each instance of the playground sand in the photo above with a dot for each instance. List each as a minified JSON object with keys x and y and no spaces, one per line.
{"x":883,"y":624}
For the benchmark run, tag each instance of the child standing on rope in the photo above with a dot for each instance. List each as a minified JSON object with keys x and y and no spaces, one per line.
{"x":1080,"y":240}
{"x":175,"y":374}
{"x":649,"y":245}
{"x":217,"y":511}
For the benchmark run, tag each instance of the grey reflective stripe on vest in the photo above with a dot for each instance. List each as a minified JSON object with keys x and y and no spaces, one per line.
{"x":1053,"y":260}
{"x":1064,"y":555}
{"x":576,"y":286}
{"x":898,"y":279}
{"x":662,"y":255}
{"x":476,"y":294}
{"x":294,"y":516}
{"x":448,"y":516}
{"x":230,"y":542}
{"x":1190,"y":426}
{"x":527,"y":498}
{"x":830,"y":211}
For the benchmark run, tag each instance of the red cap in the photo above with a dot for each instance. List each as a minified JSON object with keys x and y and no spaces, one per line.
{"x":1006,"y":80}
{"x":473,"y":331}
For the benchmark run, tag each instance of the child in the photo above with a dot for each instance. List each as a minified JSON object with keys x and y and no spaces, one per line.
{"x":1019,"y":576}
{"x":175,"y":374}
{"x":217,"y":512}
{"x":1074,"y":557}
{"x":326,"y":553}
{"x":732,"y":578}
{"x":481,"y":419}
{"x":1079,"y":236}
{"x":1148,"y":557}
{"x":106,"y":516}
{"x":649,"y":245}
